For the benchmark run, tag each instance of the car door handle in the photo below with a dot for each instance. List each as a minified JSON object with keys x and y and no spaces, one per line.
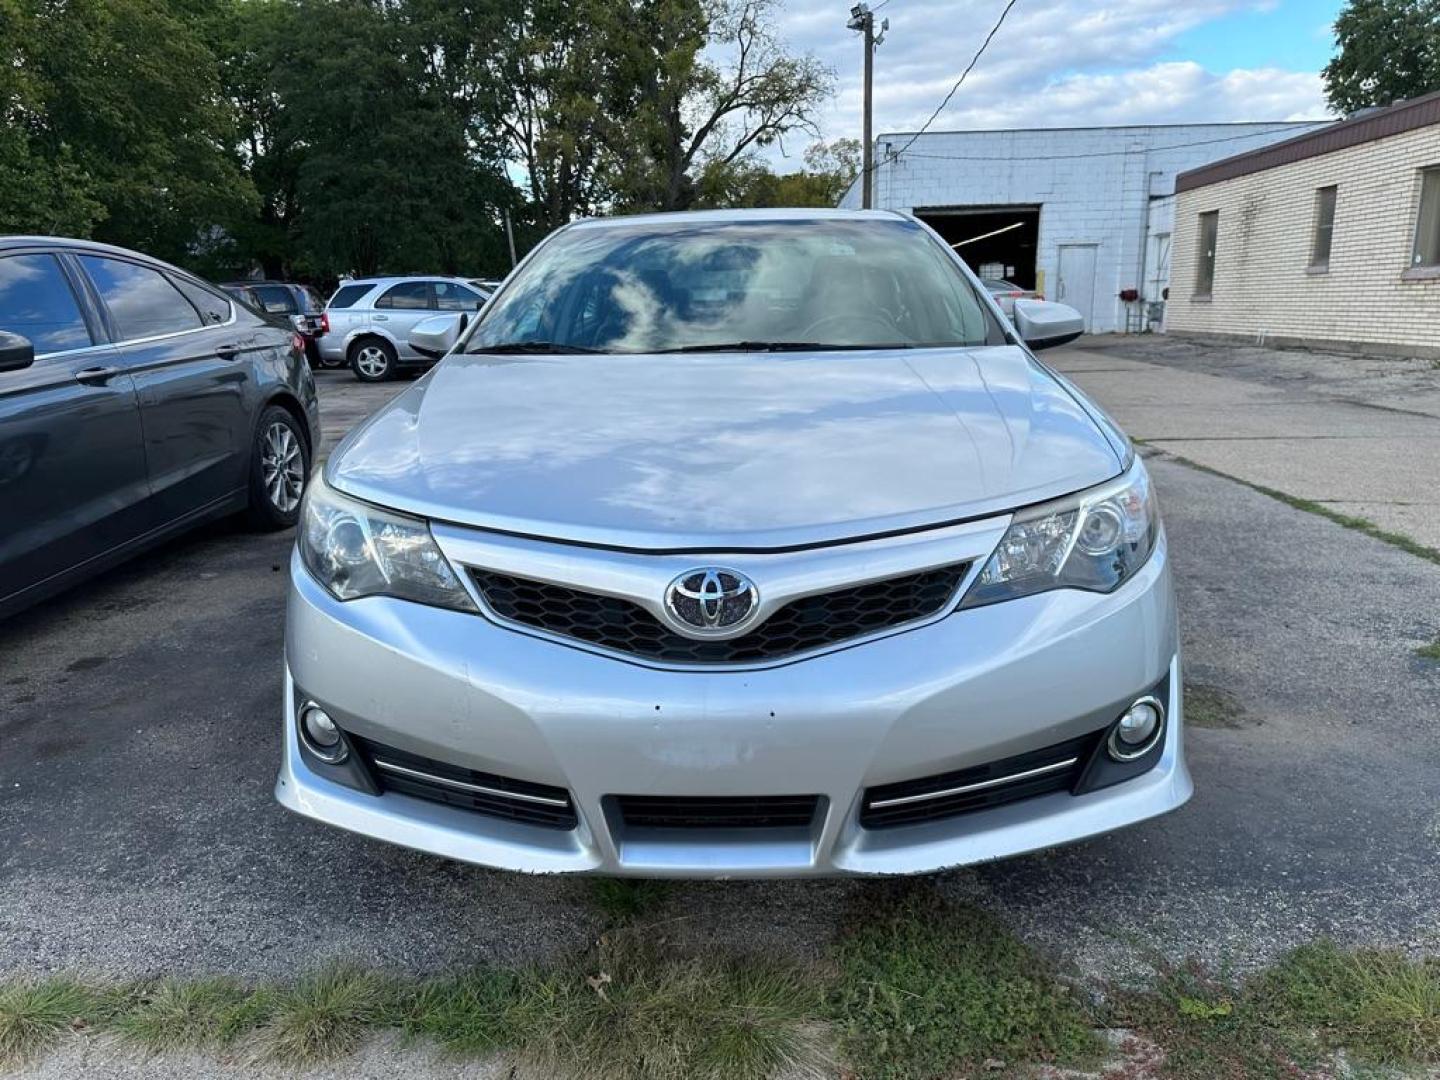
{"x":227,"y":352}
{"x":96,"y":376}
{"x":381,"y":318}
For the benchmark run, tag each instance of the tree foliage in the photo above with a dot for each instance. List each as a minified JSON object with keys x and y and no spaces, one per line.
{"x":312,"y":138}
{"x":1389,"y":50}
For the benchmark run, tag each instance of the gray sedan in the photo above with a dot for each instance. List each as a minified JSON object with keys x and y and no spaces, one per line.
{"x":735,"y":544}
{"x":135,"y":401}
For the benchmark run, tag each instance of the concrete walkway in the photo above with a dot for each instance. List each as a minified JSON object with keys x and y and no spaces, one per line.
{"x":1359,"y":435}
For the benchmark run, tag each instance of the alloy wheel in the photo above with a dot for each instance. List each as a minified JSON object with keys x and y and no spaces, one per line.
{"x":282,"y":463}
{"x":372,"y":361}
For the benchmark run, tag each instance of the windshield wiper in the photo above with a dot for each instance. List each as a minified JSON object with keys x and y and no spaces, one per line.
{"x":526,"y":347}
{"x":771,"y":346}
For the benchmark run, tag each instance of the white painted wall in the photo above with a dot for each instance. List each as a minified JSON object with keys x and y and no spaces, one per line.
{"x":1112,"y":187}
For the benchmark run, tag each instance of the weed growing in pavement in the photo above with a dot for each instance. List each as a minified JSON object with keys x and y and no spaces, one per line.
{"x":33,"y":1015}
{"x":1429,"y":652}
{"x":1380,"y":1007}
{"x":326,"y":1015}
{"x":626,"y":899}
{"x":928,"y":988}
{"x":1310,"y":506}
{"x":467,"y":1014}
{"x":636,"y":1010}
{"x":171,"y":1014}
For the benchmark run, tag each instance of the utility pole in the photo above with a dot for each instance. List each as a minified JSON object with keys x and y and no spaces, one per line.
{"x":863,"y":20}
{"x":510,"y":236}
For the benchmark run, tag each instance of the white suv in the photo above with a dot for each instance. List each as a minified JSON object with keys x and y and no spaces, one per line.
{"x":367,"y":322}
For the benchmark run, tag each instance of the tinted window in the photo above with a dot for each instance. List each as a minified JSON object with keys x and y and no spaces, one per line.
{"x":827,"y":283}
{"x":37,"y":302}
{"x":311,"y":299}
{"x":141,"y":301}
{"x":275,"y":299}
{"x":409,"y":295}
{"x":452,"y":297}
{"x":347,"y":295}
{"x":213,"y":308}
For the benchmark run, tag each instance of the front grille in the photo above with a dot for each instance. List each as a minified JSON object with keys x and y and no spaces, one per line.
{"x":1039,"y":772}
{"x":484,"y":793}
{"x":807,"y":623}
{"x":717,"y":812}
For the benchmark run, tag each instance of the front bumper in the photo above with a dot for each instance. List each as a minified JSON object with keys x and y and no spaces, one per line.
{"x":975,"y":687}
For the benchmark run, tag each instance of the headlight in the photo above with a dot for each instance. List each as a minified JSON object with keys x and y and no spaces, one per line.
{"x":356,"y":550}
{"x":1093,"y":540}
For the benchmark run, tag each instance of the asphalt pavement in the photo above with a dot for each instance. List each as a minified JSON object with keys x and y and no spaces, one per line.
{"x":140,"y":730}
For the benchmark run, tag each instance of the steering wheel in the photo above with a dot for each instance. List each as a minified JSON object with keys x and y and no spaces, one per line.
{"x":861,"y":327}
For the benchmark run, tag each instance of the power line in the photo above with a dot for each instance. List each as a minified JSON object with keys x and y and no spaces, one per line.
{"x":958,"y":82}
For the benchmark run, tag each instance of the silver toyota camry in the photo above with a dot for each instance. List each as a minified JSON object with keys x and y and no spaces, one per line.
{"x":735,"y":544}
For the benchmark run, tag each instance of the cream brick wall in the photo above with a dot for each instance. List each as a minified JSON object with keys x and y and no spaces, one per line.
{"x":1266,"y":230}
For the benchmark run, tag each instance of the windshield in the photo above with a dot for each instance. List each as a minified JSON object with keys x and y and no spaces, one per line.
{"x":663,"y":287}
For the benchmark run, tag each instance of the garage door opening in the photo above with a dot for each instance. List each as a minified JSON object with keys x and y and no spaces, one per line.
{"x":990,"y":238}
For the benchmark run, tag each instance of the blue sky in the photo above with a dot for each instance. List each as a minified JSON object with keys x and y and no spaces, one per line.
{"x":1058,"y":63}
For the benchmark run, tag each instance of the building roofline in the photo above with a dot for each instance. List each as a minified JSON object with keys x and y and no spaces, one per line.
{"x":1396,"y":119}
{"x":1272,"y":124}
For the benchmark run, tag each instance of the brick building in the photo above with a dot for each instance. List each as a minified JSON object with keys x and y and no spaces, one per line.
{"x":1080,"y":213}
{"x":1327,"y":240}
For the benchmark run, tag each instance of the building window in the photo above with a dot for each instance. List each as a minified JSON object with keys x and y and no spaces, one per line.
{"x":1427,"y":229}
{"x":1205,"y":265}
{"x":1324,"y":228}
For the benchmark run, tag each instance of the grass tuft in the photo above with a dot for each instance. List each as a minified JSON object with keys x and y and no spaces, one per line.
{"x":326,"y":1015}
{"x":929,"y":988}
{"x":174,"y":1015}
{"x":1429,"y":652}
{"x":33,"y":1015}
{"x":1379,"y":1005}
{"x":626,"y":899}
{"x":639,"y":1012}
{"x":468,"y":1014}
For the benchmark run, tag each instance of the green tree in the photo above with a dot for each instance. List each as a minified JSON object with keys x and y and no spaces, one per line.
{"x":1389,"y":50}
{"x":830,"y":168}
{"x":127,"y":104}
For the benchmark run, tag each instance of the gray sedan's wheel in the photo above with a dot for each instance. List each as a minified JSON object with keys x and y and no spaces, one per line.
{"x":373,"y":360}
{"x":279,"y":470}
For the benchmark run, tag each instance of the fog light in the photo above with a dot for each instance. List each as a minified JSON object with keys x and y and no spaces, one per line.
{"x":322,"y":738}
{"x":1137,"y":730}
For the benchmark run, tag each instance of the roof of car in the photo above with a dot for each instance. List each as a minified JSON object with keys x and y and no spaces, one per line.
{"x":397,"y":278}
{"x":691,"y":217}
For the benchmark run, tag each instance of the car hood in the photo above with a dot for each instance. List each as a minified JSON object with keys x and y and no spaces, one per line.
{"x":724,"y":451}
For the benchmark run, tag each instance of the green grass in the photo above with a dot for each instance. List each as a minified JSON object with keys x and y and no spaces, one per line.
{"x":34,"y":1014}
{"x":325,"y":1015}
{"x":917,"y":989}
{"x":639,"y":1011}
{"x":1209,"y":707}
{"x":1381,"y":1008}
{"x":929,"y":989}
{"x":469,"y":1014}
{"x":627,"y":899}
{"x":1429,"y":652}
{"x":173,"y":1015}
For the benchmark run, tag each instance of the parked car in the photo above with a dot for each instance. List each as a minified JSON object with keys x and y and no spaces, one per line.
{"x":733,"y":544}
{"x":135,"y":401}
{"x":301,"y":305}
{"x":368,"y":321}
{"x":1007,"y":292}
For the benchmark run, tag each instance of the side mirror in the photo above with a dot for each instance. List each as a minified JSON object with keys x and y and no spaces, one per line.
{"x":1043,"y":324}
{"x":16,"y":352}
{"x":436,"y":335}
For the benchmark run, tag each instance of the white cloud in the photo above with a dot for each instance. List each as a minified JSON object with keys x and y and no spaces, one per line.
{"x":1054,"y":63}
